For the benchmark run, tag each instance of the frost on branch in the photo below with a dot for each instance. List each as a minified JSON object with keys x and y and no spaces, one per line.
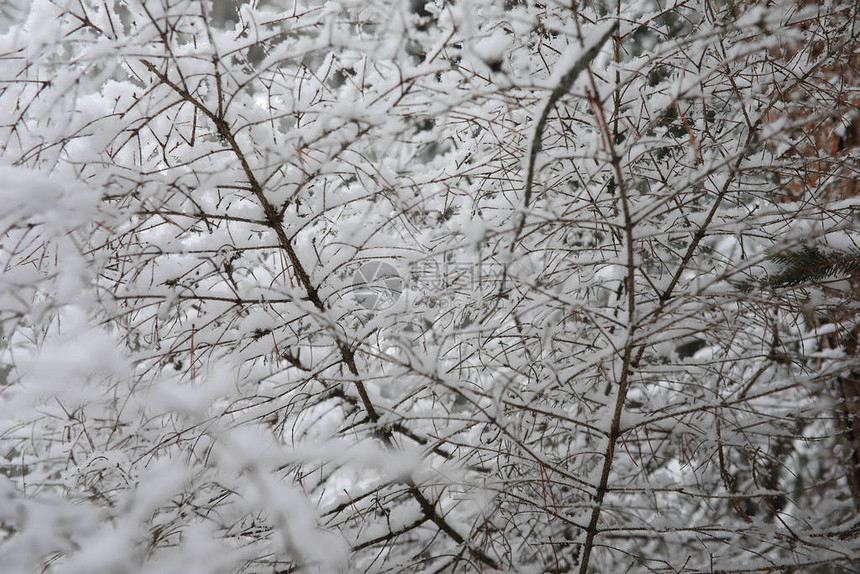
{"x":428,"y":287}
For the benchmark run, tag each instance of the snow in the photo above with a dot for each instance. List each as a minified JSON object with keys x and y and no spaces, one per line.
{"x":188,"y":383}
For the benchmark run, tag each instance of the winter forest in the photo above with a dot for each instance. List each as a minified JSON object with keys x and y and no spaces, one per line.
{"x":384,"y":286}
